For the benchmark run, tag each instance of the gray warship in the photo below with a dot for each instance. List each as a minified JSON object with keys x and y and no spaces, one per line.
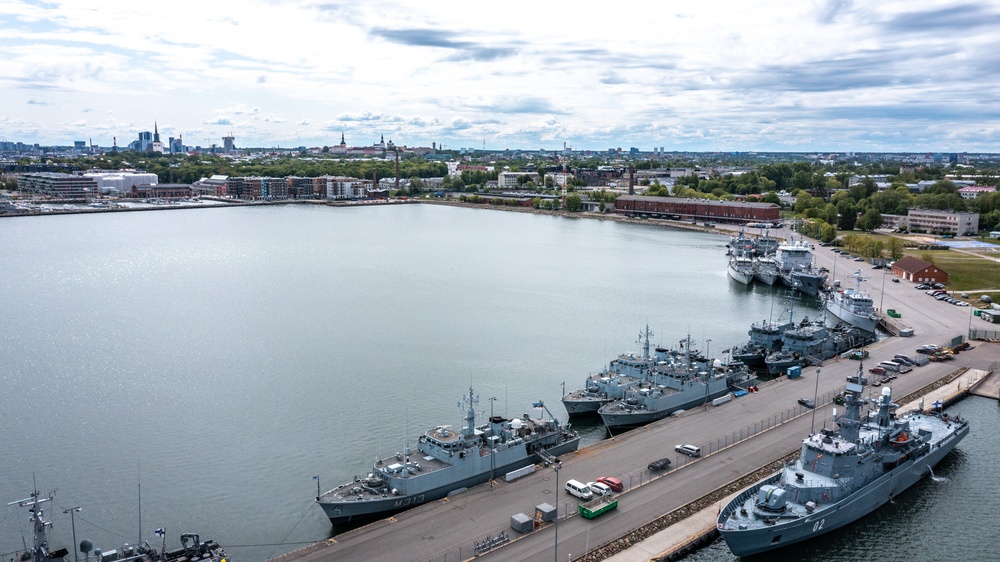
{"x":41,"y":551}
{"x":812,"y":342}
{"x":796,"y":269}
{"x":765,"y":338}
{"x":685,"y":378}
{"x":624,"y":371}
{"x":446,"y":461}
{"x":841,"y":475}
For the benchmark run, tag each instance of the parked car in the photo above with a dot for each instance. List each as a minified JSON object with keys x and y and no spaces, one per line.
{"x":938,"y":285}
{"x":611,"y":482}
{"x":895,"y":279}
{"x":905,"y":359}
{"x":859,"y":259}
{"x":928,"y":348}
{"x":599,"y":489}
{"x":659,"y":464}
{"x":877,"y":370}
{"x":807,"y":403}
{"x":878,"y":266}
{"x":923,"y":286}
{"x":858,"y":379}
{"x":689,"y":450}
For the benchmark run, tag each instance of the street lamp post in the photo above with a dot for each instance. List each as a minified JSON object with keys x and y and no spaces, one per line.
{"x":493,"y":460}
{"x":72,"y":522}
{"x":815,"y":405}
{"x":882,"y":298}
{"x":556,"y":548}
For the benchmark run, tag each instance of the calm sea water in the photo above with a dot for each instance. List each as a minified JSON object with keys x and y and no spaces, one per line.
{"x":211,"y":362}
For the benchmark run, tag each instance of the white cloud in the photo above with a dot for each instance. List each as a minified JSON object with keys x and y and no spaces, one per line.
{"x":717,"y":75}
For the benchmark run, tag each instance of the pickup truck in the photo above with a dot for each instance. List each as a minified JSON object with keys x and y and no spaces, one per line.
{"x":597,"y":507}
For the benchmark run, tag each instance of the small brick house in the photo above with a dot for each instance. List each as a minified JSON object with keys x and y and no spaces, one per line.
{"x":918,"y":271}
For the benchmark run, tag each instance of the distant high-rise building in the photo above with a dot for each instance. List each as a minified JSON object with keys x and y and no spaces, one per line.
{"x":228,"y":143}
{"x":80,"y":144}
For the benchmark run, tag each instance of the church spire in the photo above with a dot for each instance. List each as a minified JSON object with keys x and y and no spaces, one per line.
{"x":342,"y":141}
{"x":156,"y":133}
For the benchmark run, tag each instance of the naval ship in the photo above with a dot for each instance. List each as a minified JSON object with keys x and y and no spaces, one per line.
{"x":796,"y":269}
{"x":41,"y":551}
{"x":685,"y":379}
{"x":624,"y":371}
{"x":814,"y":342}
{"x":854,"y":306}
{"x":841,"y":475}
{"x":446,"y":461}
{"x":741,"y":267}
{"x":765,"y":338}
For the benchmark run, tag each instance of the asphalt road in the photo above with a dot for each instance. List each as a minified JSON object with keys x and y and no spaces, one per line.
{"x":448,"y":529}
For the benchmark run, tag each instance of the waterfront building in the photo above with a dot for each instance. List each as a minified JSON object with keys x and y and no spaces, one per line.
{"x":57,"y":185}
{"x":160,"y":191}
{"x":120,"y":183}
{"x":696,"y":209}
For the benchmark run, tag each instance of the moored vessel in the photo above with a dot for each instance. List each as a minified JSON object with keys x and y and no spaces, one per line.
{"x":684,"y":380}
{"x":741,"y":267}
{"x":854,"y":306}
{"x":446,"y":461}
{"x":841,"y":475}
{"x":625,"y":371}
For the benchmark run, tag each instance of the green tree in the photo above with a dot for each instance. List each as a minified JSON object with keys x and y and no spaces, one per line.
{"x":870,"y":220}
{"x":574,"y":203}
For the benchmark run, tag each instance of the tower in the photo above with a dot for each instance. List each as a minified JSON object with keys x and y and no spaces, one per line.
{"x":156,"y":146}
{"x":343,"y":143}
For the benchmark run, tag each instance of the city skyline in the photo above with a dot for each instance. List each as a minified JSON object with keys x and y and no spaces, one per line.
{"x":716,"y":76}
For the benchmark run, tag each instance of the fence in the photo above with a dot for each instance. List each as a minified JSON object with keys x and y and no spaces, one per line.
{"x":568,"y":507}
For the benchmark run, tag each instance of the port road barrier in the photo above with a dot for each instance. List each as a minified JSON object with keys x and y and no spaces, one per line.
{"x":570,"y":507}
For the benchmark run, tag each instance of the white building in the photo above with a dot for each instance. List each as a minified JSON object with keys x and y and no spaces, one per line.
{"x":120,"y":183}
{"x":932,"y":220}
{"x":508,"y":180}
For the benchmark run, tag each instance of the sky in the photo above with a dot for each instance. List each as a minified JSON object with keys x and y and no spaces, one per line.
{"x":803,"y":75}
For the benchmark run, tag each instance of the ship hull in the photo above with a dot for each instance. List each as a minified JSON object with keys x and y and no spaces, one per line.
{"x":807,"y":283}
{"x":748,"y":542}
{"x":639,"y":418}
{"x":766,"y":278}
{"x":342,"y":513}
{"x":584,"y":407}
{"x":740,"y":276}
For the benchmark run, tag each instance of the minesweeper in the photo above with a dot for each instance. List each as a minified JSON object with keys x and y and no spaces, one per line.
{"x":624,"y":372}
{"x":447,"y":461}
{"x":841,"y":475}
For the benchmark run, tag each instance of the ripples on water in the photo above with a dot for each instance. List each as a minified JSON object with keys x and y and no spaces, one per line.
{"x":223,"y":357}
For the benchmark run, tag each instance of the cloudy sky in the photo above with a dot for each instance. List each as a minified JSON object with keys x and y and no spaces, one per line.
{"x":816,"y":75}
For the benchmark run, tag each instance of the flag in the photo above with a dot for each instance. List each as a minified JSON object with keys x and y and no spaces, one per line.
{"x":161,"y":532}
{"x":537,"y":404}
{"x":316,"y":477}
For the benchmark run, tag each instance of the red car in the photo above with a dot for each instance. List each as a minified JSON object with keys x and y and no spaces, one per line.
{"x":877,"y":371}
{"x":611,"y":482}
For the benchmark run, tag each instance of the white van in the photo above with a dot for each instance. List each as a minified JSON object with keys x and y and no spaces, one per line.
{"x":890,"y":366}
{"x":579,"y":489}
{"x":689,"y":450}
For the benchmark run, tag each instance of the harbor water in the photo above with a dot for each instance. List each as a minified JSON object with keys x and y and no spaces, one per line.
{"x":207,"y":370}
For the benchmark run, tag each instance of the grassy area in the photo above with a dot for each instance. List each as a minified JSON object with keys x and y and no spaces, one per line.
{"x":966,"y":272}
